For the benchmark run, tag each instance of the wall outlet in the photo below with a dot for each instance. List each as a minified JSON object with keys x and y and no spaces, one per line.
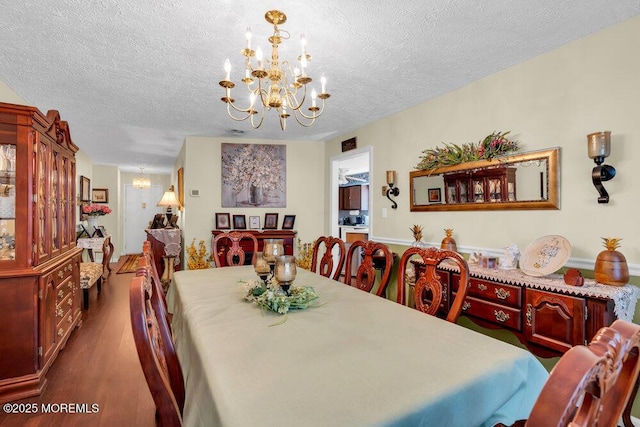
{"x":384,"y":212}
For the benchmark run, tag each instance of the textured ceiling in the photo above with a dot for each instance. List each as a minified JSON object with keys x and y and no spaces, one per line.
{"x":134,"y":77}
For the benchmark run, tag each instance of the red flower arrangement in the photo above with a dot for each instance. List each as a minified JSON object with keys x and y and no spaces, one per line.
{"x":96,"y":210}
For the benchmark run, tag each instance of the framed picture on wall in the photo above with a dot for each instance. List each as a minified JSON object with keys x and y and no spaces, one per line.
{"x":254,"y":222}
{"x":271,"y":221}
{"x":85,"y":189}
{"x":287,"y":223}
{"x":223,"y":221}
{"x":239,"y":222}
{"x":100,"y":195}
{"x":435,"y":196}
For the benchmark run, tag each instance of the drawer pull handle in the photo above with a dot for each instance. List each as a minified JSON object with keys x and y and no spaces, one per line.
{"x":60,"y":293}
{"x":60,"y":332}
{"x":501,"y":316}
{"x":70,"y":319}
{"x":502,"y":294}
{"x":60,"y":312}
{"x":70,"y":302}
{"x":482,"y":287}
{"x":529,"y":314}
{"x":466,"y":305}
{"x":60,"y":274}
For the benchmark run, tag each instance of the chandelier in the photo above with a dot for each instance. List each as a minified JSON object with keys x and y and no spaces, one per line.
{"x":141,"y":182}
{"x":274,"y":84}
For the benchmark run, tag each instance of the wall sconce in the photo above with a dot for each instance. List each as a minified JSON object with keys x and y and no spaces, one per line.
{"x":393,"y":190}
{"x":599,"y":147}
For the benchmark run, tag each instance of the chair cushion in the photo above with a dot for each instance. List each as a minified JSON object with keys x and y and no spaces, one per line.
{"x":90,"y":272}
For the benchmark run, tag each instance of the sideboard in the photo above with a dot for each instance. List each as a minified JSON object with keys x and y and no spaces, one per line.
{"x":288,"y":237}
{"x":547,"y":315}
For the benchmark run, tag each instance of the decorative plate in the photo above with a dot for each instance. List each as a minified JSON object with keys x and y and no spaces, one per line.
{"x":545,"y":255}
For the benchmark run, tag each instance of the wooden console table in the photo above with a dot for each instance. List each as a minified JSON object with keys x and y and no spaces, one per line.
{"x":288,"y":237}
{"x":547,"y":315}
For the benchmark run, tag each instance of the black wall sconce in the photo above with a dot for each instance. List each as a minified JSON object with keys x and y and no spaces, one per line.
{"x":599,"y":147}
{"x":393,"y":190}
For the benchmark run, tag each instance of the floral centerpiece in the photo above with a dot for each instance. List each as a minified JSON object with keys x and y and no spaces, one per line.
{"x":96,"y":210}
{"x":493,"y":145}
{"x":270,"y":296}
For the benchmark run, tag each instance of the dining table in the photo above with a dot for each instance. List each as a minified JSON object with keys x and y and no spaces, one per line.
{"x":351,"y":359}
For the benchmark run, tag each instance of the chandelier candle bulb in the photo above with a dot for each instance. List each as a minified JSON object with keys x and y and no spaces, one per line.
{"x":227,"y":70}
{"x":259,"y":57}
{"x":248,"y":37}
{"x":323,"y":82}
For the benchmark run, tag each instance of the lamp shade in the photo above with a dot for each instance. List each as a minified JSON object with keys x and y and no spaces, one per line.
{"x":169,"y":199}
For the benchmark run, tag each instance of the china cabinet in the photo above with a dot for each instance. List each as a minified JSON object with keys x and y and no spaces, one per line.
{"x":39,"y":260}
{"x":497,"y":184}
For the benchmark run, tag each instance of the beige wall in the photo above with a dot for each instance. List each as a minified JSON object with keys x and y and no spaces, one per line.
{"x":8,"y":95}
{"x":305,"y":187}
{"x":553,"y":100}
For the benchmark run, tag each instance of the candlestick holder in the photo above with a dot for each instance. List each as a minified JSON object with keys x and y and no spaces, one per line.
{"x":285,"y":272}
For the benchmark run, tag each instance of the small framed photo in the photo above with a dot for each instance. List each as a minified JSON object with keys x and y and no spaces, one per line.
{"x":223,"y":221}
{"x":85,"y":186}
{"x":100,"y":195}
{"x":254,"y":222}
{"x":435,"y":196}
{"x":287,"y":223}
{"x":271,"y":221}
{"x":239,"y":222}
{"x":158,"y":221}
{"x":100,"y":232}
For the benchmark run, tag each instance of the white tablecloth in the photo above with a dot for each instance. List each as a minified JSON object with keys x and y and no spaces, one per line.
{"x":356,"y":360}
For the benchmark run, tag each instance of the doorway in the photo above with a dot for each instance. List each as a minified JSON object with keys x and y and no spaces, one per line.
{"x":139,"y":208}
{"x":352,"y":167}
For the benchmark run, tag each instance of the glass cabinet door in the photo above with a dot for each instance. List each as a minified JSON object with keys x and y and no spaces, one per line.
{"x":7,"y":202}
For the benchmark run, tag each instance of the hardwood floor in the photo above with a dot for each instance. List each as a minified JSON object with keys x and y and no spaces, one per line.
{"x":99,"y":365}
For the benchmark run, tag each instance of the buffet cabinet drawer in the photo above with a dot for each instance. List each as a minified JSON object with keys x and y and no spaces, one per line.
{"x":62,"y":272}
{"x":64,"y":289}
{"x":506,"y":317}
{"x":491,"y":291}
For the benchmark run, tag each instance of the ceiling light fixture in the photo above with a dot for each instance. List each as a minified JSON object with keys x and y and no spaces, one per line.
{"x":277,"y":84}
{"x":141,"y":182}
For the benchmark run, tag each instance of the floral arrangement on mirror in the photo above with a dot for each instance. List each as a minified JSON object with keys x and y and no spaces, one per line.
{"x":493,"y":145}
{"x":198,"y":258}
{"x":95,"y":210}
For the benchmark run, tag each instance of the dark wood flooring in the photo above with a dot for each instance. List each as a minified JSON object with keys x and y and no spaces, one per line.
{"x":99,"y":365}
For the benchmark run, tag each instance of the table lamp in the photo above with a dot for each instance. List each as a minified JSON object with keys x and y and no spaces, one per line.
{"x":169,"y":201}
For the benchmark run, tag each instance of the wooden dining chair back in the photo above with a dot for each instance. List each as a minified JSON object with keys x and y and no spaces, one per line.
{"x":323,"y":248}
{"x":235,"y":254}
{"x":429,"y":282}
{"x":157,"y":355}
{"x":591,"y":385}
{"x":147,"y":270}
{"x":369,"y":253}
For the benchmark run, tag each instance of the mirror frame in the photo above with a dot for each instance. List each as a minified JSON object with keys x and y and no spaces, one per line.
{"x":552,"y":155}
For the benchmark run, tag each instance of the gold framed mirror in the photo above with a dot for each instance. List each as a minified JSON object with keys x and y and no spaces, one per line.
{"x":521,"y":181}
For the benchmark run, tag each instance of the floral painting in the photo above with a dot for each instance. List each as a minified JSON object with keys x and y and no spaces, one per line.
{"x":254,"y":175}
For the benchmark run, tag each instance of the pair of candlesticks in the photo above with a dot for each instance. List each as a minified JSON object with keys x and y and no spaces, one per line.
{"x":273,"y":263}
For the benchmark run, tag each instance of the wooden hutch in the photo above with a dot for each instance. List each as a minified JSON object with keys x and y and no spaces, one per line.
{"x":494,"y":184}
{"x":39,"y":260}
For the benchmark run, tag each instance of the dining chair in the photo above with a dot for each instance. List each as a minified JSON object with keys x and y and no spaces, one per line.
{"x":235,"y":254}
{"x":146,"y":269}
{"x":591,"y":385}
{"x":326,"y":266}
{"x":430,"y":283}
{"x":157,"y":356}
{"x":370,"y":253}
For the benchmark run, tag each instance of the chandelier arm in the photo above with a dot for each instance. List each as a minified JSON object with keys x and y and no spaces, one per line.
{"x":253,"y":125}
{"x":313,"y":119}
{"x":236,"y":118}
{"x":315,"y":114}
{"x":291,"y":95}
